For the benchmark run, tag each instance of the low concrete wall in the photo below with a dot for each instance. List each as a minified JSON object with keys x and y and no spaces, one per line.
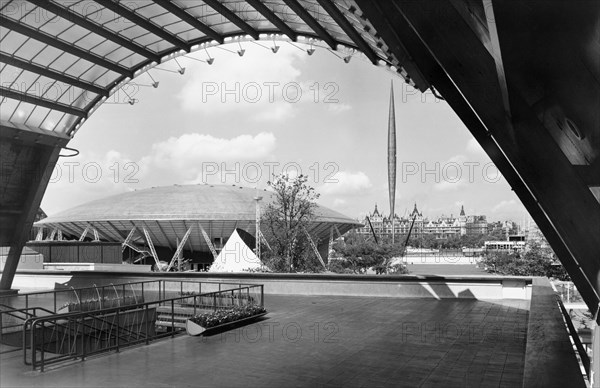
{"x":97,"y":267}
{"x":441,"y":259}
{"x":478,"y":287}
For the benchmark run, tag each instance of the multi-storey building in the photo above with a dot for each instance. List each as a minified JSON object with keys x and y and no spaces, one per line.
{"x":442,"y":227}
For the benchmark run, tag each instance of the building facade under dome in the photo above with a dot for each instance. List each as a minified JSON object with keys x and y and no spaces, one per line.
{"x":160,"y":217}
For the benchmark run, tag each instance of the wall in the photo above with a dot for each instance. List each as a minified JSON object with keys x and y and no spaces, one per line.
{"x":484,"y":287}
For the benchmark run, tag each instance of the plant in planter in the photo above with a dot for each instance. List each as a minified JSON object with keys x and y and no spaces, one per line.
{"x":202,"y":322}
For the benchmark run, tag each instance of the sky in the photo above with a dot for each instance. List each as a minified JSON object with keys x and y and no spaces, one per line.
{"x":243,"y":119}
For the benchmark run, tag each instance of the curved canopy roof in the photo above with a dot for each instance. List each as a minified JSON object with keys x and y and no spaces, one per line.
{"x":60,"y":60}
{"x":167,"y":212}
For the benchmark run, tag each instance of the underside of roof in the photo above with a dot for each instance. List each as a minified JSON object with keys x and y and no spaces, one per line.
{"x":60,"y":60}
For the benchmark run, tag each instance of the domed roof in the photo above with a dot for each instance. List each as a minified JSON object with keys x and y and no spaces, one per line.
{"x":181,"y":202}
{"x":168,"y":211}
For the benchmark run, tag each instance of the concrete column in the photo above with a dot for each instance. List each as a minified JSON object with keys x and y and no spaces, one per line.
{"x":29,"y":157}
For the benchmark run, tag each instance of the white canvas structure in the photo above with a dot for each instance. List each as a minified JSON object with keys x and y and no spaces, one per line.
{"x":235,"y":256}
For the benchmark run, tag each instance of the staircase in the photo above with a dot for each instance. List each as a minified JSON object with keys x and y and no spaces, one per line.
{"x":167,"y":317}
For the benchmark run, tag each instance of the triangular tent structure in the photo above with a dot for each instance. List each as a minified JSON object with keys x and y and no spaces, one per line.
{"x":236,"y":256}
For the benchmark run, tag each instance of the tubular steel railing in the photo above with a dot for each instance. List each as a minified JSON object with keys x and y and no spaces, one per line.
{"x":149,"y":290}
{"x":77,"y":335}
{"x":12,"y":320}
{"x":69,"y":295}
{"x":585,"y":358}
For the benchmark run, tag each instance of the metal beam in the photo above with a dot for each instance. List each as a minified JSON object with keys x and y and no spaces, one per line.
{"x":63,"y":46}
{"x":180,"y":248}
{"x":191,"y":20}
{"x":129,"y":237}
{"x":46,"y":72}
{"x":20,"y":96}
{"x":311,"y":22}
{"x":208,"y":242}
{"x":232,"y":17}
{"x":144,"y":23}
{"x":314,"y":247}
{"x":273,"y":18}
{"x":81,"y":21}
{"x":152,"y":250}
{"x":85,"y":231}
{"x":348,"y":28}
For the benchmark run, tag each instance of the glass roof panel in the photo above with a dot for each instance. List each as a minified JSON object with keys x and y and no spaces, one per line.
{"x":9,"y":75}
{"x":65,"y":123}
{"x":286,"y":14}
{"x":250,"y":15}
{"x":36,"y":116}
{"x":51,"y":120}
{"x":25,"y":81}
{"x":8,"y":107}
{"x":154,"y":43}
{"x":325,"y":20}
{"x":191,"y":34}
{"x":11,"y":41}
{"x":99,"y":75}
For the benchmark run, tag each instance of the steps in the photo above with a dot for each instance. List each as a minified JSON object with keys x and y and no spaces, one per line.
{"x":176,"y":317}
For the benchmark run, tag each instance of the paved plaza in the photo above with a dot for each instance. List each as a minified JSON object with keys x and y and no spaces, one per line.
{"x":320,"y":341}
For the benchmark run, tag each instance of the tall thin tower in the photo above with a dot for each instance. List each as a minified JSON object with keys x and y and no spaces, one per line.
{"x":392,"y":158}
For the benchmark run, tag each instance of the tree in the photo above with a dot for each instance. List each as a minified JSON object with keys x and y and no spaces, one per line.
{"x":356,"y":255}
{"x":286,"y":221}
{"x":533,"y":261}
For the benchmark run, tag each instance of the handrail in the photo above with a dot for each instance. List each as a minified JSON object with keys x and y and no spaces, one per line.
{"x":77,"y":289}
{"x":585,"y":359}
{"x":24,"y":311}
{"x":13,"y":313}
{"x":160,"y":282}
{"x":78,"y":319}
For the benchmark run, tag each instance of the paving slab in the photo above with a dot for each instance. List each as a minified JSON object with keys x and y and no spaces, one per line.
{"x":319,"y":341}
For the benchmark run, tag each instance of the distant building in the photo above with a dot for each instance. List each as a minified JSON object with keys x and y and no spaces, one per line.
{"x":442,"y":228}
{"x":504,"y":246}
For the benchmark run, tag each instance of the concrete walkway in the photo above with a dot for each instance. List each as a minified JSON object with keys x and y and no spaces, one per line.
{"x":320,"y":341}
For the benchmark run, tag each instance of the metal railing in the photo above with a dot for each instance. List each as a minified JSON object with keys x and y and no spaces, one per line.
{"x":149,"y":290}
{"x":12,"y":320}
{"x":585,"y":358}
{"x":77,"y":335}
{"x":69,"y":295}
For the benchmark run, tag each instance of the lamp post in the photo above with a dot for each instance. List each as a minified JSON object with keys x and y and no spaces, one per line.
{"x":257,"y":198}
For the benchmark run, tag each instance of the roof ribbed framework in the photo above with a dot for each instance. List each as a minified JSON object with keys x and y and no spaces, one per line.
{"x":60,"y":60}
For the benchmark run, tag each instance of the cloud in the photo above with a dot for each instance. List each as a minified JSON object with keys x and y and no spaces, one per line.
{"x":339,"y":202}
{"x":263,"y":87}
{"x":338,"y":107}
{"x":89,"y":176}
{"x":505,"y":206}
{"x":346,"y":183}
{"x":449,"y":185}
{"x":190,"y":157}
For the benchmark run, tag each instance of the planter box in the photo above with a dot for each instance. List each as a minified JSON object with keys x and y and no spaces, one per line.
{"x":195,"y":329}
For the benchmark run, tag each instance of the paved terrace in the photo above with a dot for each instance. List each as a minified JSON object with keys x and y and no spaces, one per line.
{"x":320,"y":341}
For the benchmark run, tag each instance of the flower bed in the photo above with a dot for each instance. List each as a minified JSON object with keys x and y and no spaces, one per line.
{"x":223,"y":299}
{"x":220,"y":318}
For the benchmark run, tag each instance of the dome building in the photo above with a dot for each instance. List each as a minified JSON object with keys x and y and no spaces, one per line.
{"x":200,"y":218}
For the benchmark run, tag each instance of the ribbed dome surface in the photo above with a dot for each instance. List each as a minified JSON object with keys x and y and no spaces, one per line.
{"x":167,"y":212}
